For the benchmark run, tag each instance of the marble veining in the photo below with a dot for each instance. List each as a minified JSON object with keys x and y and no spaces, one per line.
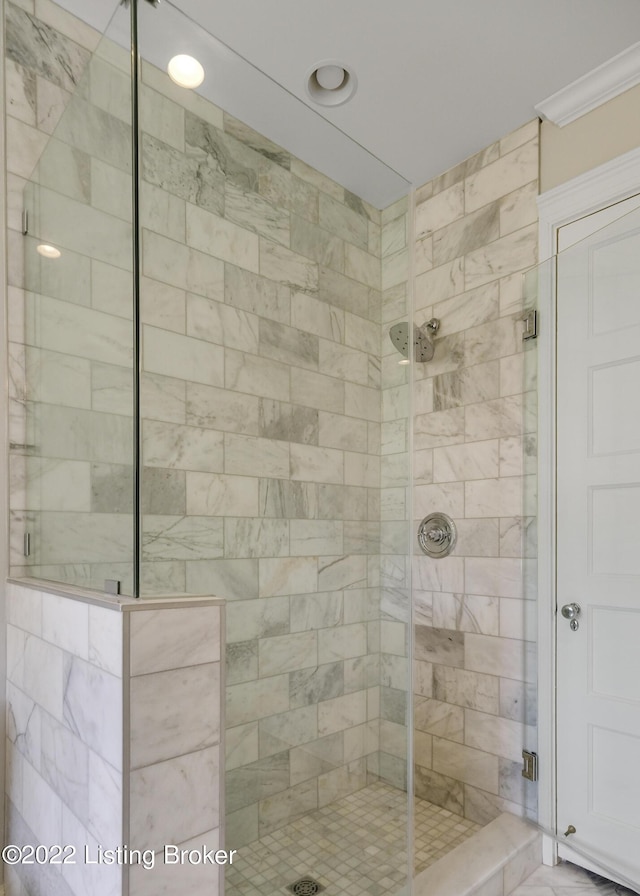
{"x":248,"y":137}
{"x":87,"y":691}
{"x":30,"y":42}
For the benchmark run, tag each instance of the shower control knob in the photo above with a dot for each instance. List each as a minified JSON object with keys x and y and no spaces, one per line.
{"x":437,"y":535}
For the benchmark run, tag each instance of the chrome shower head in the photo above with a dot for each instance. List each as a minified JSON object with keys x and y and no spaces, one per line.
{"x":422,"y":339}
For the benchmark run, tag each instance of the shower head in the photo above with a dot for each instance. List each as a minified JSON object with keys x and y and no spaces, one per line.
{"x":422,"y":339}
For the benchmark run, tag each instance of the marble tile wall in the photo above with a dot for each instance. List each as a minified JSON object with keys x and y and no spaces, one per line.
{"x":113,"y":738}
{"x":175,"y":754}
{"x":262,"y":396}
{"x":70,"y":331}
{"x":262,"y":306}
{"x":474,"y":458}
{"x":64,"y":739}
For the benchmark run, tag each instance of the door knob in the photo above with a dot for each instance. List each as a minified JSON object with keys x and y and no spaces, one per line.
{"x":572,"y":611}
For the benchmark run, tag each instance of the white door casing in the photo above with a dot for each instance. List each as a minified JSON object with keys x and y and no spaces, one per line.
{"x":584,"y":195}
{"x":598,"y":542}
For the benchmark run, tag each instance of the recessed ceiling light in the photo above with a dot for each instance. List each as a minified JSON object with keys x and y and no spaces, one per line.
{"x":48,"y":251}
{"x":331,"y":77}
{"x":331,"y":83}
{"x":185,"y":71}
{"x":404,"y":361}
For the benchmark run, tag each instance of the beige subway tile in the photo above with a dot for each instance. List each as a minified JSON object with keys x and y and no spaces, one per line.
{"x":223,"y":239}
{"x":443,"y":574}
{"x":177,"y":447}
{"x":471,"y":690}
{"x":342,"y":642}
{"x":342,"y":713}
{"x":519,"y":209}
{"x":471,"y":766}
{"x":448,"y":497}
{"x":241,"y":745}
{"x":439,"y":210}
{"x":495,"y":419}
{"x":315,"y":464}
{"x":508,"y":173}
{"x":287,"y":806}
{"x":504,"y":657}
{"x":466,"y":612}
{"x":316,"y":757}
{"x":361,"y":266}
{"x":181,"y":266}
{"x":474,"y":460}
{"x":440,"y":428}
{"x":494,"y":497}
{"x":340,"y":219}
{"x":162,"y":118}
{"x":501,"y":737}
{"x":475,"y":229}
{"x":515,"y":252}
{"x":520,"y":136}
{"x":500,"y":577}
{"x":284,"y":266}
{"x":439,"y":719}
{"x":281,"y":576}
{"x":518,"y":619}
{"x":254,"y":700}
{"x":287,"y":653}
{"x":395,"y":269}
{"x":316,"y":390}
{"x":394,"y":236}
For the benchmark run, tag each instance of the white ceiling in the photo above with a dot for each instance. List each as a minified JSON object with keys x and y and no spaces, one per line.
{"x":437,"y":81}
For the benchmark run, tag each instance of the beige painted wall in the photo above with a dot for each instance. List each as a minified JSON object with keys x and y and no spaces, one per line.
{"x":608,"y":131}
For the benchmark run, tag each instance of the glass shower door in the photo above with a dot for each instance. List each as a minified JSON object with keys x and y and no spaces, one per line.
{"x":72,"y":358}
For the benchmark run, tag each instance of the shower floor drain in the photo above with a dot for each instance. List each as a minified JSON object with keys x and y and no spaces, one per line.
{"x":306,"y":886}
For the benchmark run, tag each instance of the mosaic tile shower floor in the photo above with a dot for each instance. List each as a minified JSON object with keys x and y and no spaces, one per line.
{"x":355,"y":846}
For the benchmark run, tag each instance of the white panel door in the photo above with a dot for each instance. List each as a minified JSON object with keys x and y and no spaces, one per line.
{"x":598,"y":547}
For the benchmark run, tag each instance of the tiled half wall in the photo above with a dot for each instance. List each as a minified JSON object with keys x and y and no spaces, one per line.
{"x":474,"y":459}
{"x":113,"y":738}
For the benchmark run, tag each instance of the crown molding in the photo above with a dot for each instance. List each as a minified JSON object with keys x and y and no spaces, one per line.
{"x":591,"y":90}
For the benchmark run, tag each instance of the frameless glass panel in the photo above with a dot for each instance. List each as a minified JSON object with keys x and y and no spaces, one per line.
{"x":71,"y":322}
{"x":475,"y":461}
{"x":520,"y":539}
{"x":275,"y":462}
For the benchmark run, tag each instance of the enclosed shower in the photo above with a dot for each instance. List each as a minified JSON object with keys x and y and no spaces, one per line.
{"x":207,"y":398}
